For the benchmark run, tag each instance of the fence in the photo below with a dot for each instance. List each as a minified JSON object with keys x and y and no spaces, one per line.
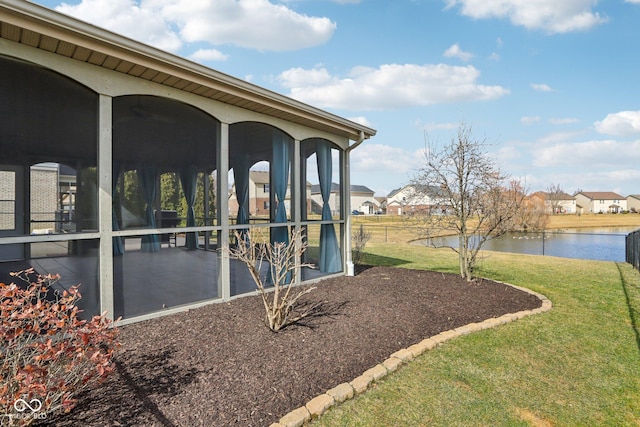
{"x":632,"y":249}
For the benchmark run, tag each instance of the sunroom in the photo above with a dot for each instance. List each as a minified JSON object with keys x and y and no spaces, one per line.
{"x":118,"y":161}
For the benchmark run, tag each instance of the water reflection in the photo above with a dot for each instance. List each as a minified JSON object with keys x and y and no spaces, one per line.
{"x":606,"y":243}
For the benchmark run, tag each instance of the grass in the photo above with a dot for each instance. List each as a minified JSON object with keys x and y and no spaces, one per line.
{"x":576,"y":365}
{"x":399,"y":229}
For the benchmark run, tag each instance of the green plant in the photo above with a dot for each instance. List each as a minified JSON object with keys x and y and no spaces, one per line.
{"x":48,"y":355}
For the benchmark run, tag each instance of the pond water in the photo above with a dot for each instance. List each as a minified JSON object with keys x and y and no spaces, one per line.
{"x":606,"y":243}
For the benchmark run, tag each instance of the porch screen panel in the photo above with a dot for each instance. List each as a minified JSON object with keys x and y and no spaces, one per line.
{"x":149,"y":182}
{"x":118,"y":247}
{"x":189,"y":180}
{"x":280,"y":174}
{"x":330,"y":257}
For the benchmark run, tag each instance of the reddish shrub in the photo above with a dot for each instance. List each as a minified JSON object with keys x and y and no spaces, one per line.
{"x":47,"y":354}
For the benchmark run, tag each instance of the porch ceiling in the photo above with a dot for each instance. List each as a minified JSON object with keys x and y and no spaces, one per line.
{"x":36,"y":26}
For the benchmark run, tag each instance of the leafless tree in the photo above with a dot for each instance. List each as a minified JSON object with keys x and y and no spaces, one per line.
{"x":555,"y":196}
{"x":274,"y":268}
{"x":475,"y":199}
{"x":360,"y":238}
{"x":533,"y":216}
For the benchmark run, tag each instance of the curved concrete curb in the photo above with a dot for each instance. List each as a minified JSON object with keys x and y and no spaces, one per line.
{"x":321,"y":403}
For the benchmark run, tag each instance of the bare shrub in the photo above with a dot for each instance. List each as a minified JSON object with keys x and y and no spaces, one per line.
{"x":48,"y":355}
{"x":274,"y":268}
{"x":359,"y":240}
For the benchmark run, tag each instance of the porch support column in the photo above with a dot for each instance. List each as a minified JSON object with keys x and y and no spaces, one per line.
{"x":105,"y":207}
{"x":346,"y":203}
{"x":297,"y":201}
{"x":222,"y":201}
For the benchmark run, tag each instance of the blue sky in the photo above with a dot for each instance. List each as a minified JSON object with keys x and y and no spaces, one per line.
{"x":553,"y":85}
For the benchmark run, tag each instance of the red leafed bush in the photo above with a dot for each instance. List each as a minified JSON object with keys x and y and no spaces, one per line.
{"x":47,"y":354}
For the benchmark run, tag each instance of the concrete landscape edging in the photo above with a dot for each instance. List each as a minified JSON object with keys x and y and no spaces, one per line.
{"x":345,"y":391}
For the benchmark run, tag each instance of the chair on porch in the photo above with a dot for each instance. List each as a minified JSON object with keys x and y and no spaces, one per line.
{"x":167,"y":219}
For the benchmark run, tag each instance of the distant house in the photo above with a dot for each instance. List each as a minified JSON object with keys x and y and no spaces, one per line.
{"x":362,"y":199}
{"x":556,"y":203}
{"x":633,"y":203}
{"x":600,"y":202}
{"x":412,"y":198}
{"x":260,"y":195}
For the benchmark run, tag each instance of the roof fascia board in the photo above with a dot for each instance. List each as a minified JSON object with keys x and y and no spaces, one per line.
{"x":53,"y":24}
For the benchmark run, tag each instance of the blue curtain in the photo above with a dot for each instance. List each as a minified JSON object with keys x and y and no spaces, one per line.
{"x":118,"y":247}
{"x":148,"y":175}
{"x":241,"y":165}
{"x":189,"y":180}
{"x":330,"y":257}
{"x":280,"y":175}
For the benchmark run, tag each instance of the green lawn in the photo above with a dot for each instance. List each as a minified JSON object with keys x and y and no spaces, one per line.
{"x":576,"y":365}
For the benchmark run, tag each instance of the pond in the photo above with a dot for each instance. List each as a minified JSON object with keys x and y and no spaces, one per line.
{"x":606,"y":243}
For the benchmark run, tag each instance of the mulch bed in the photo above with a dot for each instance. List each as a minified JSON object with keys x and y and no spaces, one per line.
{"x":220,"y":366}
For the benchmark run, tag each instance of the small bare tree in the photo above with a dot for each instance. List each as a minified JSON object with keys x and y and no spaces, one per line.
{"x":360,"y":238}
{"x":274,"y":268}
{"x":473,"y":197}
{"x":555,"y":196}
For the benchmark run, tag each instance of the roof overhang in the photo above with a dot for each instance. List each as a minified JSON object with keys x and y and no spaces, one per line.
{"x":41,"y":28}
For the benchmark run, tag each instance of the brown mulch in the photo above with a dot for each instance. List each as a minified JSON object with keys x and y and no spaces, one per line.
{"x":220,"y":366}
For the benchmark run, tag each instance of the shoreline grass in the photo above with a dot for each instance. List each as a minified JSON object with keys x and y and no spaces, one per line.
{"x":401,"y":229}
{"x":576,"y":365}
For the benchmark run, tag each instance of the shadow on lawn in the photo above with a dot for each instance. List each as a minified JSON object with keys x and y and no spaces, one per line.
{"x":132,"y":393}
{"x":370,"y":260}
{"x":634,"y":312}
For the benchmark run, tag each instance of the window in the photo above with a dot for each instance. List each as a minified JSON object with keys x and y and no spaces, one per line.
{"x":265,"y":188}
{"x":266,"y":205}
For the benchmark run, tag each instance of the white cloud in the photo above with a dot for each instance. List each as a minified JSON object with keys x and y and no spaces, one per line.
{"x":632,"y":1}
{"x":167,"y":24}
{"x":256,"y":24}
{"x":507,"y":154}
{"x":440,"y":126}
{"x":552,"y":16}
{"x":529,"y":120}
{"x":559,"y":137}
{"x":384,"y":160}
{"x":624,"y":123}
{"x":361,"y":120}
{"x":125,"y":17}
{"x":588,"y":155}
{"x":541,"y":87}
{"x":203,"y":55}
{"x":390,"y":86}
{"x":455,"y":52}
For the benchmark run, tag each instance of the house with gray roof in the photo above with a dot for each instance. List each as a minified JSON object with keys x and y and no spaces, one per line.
{"x":633,"y":203}
{"x":600,"y":202}
{"x":362,"y":199}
